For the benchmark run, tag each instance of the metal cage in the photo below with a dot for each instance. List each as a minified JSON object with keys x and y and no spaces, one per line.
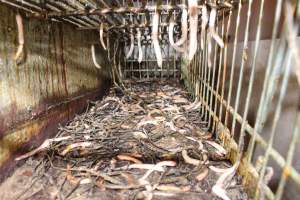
{"x":243,"y":86}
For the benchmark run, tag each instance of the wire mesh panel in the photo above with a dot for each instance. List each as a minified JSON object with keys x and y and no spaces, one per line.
{"x":148,"y":67}
{"x":141,"y":61}
{"x":249,"y":91}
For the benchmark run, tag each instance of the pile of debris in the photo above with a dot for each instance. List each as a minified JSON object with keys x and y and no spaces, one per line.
{"x":149,"y":143}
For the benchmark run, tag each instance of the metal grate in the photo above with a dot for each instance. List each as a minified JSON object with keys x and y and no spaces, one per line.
{"x":121,"y":18}
{"x":226,"y":96}
{"x":223,"y":77}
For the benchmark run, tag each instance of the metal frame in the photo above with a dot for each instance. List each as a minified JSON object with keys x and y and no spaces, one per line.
{"x":207,"y":83}
{"x":208,"y":87}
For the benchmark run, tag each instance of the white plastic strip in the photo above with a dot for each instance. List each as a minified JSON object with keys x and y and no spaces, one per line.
{"x":139,"y":46}
{"x":184,"y":28}
{"x":101,"y":36}
{"x":193,"y":15}
{"x":20,"y":27}
{"x":212,"y":20}
{"x":131,"y":46}
{"x":155,"y":41}
{"x":94,"y":57}
{"x":171,"y":38}
{"x":204,"y":20}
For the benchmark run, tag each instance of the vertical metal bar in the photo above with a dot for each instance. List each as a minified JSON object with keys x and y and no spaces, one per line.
{"x":141,"y":64}
{"x":134,"y":59}
{"x":127,"y":66}
{"x":290,"y":156}
{"x":190,"y":70}
{"x":199,"y":73}
{"x":202,"y":65}
{"x":125,"y":62}
{"x":212,"y":84}
{"x":241,"y":73}
{"x":156,"y":67}
{"x":219,"y":73}
{"x":162,"y":49}
{"x":168,"y":60}
{"x":225,"y":63}
{"x":195,"y":73}
{"x":125,"y":43}
{"x":163,"y":61}
{"x":153,"y":64}
{"x":175,"y":60}
{"x":131,"y":66}
{"x":140,"y":69}
{"x":252,"y":73}
{"x":144,"y":63}
{"x":288,"y":22}
{"x":196,"y":68}
{"x":146,"y":60}
{"x":205,"y":80}
{"x":275,"y":121}
{"x":197,"y":76}
{"x":199,"y":57}
{"x":233,"y":59}
{"x":189,"y":74}
{"x":119,"y":66}
{"x":192,"y":67}
{"x":258,"y":123}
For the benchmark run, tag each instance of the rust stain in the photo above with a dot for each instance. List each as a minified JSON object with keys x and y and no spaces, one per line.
{"x":48,"y":62}
{"x":13,"y":106}
{"x":10,"y":122}
{"x":56,"y":51}
{"x":52,"y":80}
{"x":49,"y":68}
{"x":2,"y":127}
{"x":47,"y":79}
{"x":39,"y":80}
{"x":8,"y":119}
{"x":27,"y":120}
{"x":31,"y":134}
{"x":246,"y":170}
{"x":33,"y":77}
{"x":28,"y":76}
{"x":64,"y":74}
{"x":286,"y":172}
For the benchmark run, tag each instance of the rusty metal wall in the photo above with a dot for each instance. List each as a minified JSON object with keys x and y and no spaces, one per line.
{"x":52,"y":84}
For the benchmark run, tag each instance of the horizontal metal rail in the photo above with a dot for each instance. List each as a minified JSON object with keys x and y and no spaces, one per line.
{"x":207,"y":82}
{"x":278,"y":158}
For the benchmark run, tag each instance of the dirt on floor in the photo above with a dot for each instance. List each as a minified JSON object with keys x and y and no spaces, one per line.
{"x":145,"y":142}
